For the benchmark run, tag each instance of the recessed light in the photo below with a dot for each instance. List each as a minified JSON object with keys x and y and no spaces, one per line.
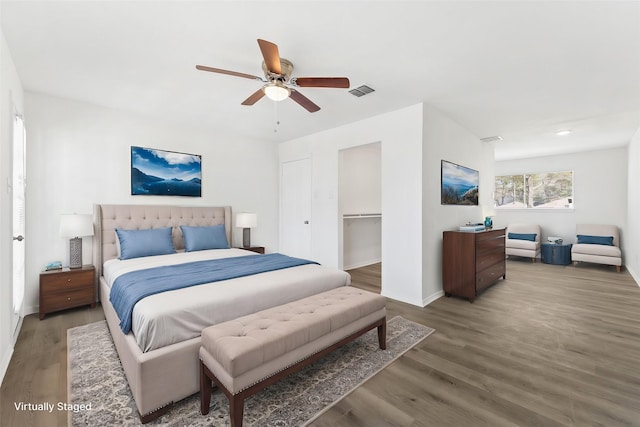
{"x":563,"y":132}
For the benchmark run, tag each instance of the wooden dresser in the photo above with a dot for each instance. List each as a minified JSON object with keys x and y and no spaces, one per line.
{"x":471,"y":261}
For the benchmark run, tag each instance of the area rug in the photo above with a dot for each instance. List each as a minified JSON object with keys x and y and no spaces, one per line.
{"x":96,"y":379}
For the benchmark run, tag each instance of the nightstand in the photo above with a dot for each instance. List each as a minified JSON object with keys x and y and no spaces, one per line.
{"x":257,"y":249}
{"x":67,"y":288}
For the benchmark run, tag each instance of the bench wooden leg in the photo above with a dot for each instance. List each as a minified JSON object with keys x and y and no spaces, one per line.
{"x":205,"y":390}
{"x":382,"y":334}
{"x":236,"y":410}
{"x":618,"y":268}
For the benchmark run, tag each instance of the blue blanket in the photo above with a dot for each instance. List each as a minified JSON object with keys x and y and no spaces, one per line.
{"x":131,"y":287}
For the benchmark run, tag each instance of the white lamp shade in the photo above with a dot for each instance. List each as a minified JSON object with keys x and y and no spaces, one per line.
{"x":488,"y":211}
{"x":75,"y":225}
{"x":246,"y":220}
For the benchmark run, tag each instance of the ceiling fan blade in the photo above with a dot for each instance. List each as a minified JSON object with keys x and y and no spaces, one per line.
{"x":337,"y":82}
{"x":231,"y":73}
{"x":255,"y":97}
{"x":271,"y":56}
{"x":305,"y":102}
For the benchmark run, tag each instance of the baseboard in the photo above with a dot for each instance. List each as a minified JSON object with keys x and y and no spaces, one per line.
{"x":31,"y":309}
{"x":4,"y":364}
{"x":362,"y":264}
{"x":431,"y":298}
{"x":635,"y":275}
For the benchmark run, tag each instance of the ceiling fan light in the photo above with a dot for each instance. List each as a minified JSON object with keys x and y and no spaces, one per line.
{"x":276,"y":92}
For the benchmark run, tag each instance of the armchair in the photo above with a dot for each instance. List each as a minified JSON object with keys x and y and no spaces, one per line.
{"x":523,"y":240}
{"x":597,"y":243}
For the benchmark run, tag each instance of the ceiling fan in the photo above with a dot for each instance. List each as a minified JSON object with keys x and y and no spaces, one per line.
{"x":279,"y":83}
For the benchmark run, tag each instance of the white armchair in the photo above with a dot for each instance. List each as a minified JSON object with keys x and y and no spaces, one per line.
{"x":598,"y":244}
{"x":523,"y":240}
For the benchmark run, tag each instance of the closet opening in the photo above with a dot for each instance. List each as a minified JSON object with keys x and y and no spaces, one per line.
{"x":360,"y":205}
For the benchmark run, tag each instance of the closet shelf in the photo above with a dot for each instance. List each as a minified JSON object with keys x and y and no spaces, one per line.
{"x":363,"y":215}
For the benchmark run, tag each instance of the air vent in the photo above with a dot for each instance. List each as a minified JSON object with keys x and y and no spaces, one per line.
{"x":491,"y":138}
{"x":361,"y":91}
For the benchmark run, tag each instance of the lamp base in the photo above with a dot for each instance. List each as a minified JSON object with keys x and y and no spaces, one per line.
{"x":488,"y":222}
{"x":246,"y":237}
{"x":75,"y":252}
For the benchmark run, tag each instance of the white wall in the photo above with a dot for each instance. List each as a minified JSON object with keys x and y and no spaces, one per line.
{"x":360,"y":179}
{"x":78,"y":155}
{"x":632,"y":240}
{"x":444,"y":139}
{"x":400,"y":133}
{"x":11,"y":96}
{"x":360,"y":193}
{"x":414,"y":141}
{"x":600,"y":193}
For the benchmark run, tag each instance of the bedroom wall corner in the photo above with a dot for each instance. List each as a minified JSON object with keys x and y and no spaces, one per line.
{"x":11,"y":96}
{"x":79,"y":155}
{"x":632,"y":240}
{"x":400,"y":135}
{"x":599,"y":188}
{"x":444,"y":139}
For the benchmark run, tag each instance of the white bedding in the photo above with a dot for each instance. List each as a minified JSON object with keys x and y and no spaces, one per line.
{"x":170,"y":317}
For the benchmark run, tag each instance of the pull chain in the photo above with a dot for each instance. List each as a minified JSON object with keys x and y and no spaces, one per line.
{"x":275,"y":116}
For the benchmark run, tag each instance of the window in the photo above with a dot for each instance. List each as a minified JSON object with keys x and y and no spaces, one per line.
{"x":548,"y":190}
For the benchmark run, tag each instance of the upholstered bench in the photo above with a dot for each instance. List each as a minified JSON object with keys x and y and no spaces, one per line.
{"x":245,"y":355}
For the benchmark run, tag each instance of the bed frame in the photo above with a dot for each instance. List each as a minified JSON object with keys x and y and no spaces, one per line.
{"x":165,"y":375}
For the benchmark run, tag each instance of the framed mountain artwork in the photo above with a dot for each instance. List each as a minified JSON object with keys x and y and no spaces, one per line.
{"x":165,"y":173}
{"x":459,"y":185}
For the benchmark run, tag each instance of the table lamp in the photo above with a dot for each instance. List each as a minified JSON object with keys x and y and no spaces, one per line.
{"x":75,"y":226}
{"x":246,"y":221}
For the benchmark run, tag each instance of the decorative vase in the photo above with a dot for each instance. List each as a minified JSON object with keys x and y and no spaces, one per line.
{"x":488,"y":223}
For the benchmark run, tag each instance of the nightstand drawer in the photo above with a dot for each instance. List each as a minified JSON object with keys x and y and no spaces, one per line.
{"x":54,"y":283}
{"x":69,"y":299}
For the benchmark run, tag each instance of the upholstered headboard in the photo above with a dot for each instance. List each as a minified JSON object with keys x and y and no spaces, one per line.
{"x":106,"y":218}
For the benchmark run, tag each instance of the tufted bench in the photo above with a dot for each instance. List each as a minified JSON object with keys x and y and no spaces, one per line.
{"x":245,"y":355}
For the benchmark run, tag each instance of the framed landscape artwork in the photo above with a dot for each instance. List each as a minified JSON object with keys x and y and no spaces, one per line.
{"x":165,"y":173}
{"x":459,"y":185}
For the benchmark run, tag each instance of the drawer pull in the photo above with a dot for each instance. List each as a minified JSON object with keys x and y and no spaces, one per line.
{"x":68,"y":298}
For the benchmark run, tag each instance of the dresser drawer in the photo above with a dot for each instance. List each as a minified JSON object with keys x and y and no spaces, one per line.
{"x":52,"y":283}
{"x":491,"y":234}
{"x":489,"y":275}
{"x":490,"y":244}
{"x":71,"y":298}
{"x":489,"y":258}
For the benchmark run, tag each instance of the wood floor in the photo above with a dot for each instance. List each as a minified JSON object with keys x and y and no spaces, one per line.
{"x":551,"y":345}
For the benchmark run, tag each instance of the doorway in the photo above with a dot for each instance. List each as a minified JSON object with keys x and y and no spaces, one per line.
{"x":18,"y":213}
{"x":295,"y":208}
{"x":360,"y":188}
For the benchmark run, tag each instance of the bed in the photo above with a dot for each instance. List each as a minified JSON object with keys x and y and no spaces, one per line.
{"x":160,"y":354}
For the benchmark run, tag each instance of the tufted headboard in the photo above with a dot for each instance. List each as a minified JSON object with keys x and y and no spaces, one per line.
{"x":106,"y":218}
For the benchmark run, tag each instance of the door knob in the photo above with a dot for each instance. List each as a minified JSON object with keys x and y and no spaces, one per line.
{"x":19,"y":238}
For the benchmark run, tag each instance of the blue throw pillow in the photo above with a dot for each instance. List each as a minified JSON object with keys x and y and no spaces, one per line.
{"x":595,"y":240}
{"x":523,"y":236}
{"x":201,"y":238}
{"x":139,"y":243}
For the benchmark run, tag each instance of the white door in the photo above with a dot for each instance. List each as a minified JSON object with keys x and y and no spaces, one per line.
{"x":295,"y":208}
{"x":18,"y":220}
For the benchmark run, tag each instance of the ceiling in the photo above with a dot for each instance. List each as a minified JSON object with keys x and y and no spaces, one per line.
{"x":522,"y":70}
